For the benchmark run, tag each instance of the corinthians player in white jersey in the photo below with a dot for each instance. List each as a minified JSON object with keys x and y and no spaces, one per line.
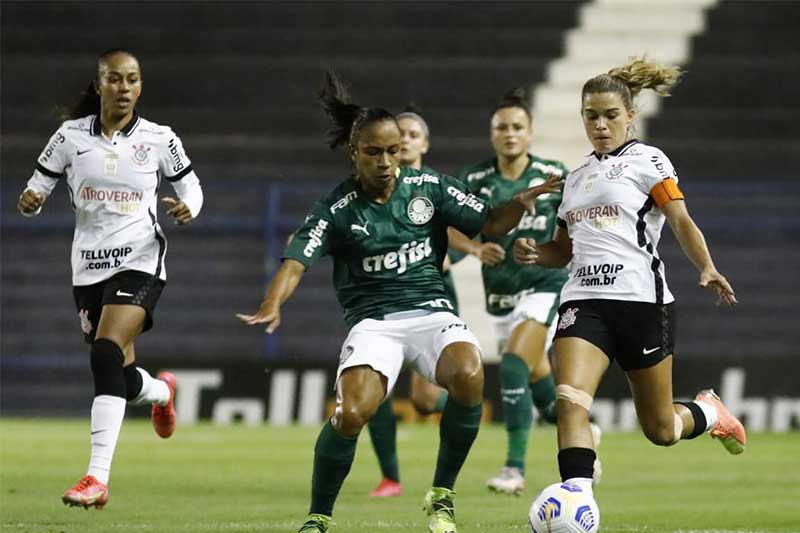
{"x":616,"y":304}
{"x":112,"y":161}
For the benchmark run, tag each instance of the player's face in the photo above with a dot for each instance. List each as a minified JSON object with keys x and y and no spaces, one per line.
{"x":376,"y":154}
{"x":413,"y":142}
{"x":511,"y":132}
{"x":606,"y":121}
{"x":119,"y":84}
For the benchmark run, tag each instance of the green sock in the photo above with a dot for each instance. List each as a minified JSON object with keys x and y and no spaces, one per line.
{"x":544,"y":398}
{"x":333,"y":456}
{"x":383,"y":432}
{"x":517,"y":410}
{"x":457,"y":432}
{"x":440,"y":402}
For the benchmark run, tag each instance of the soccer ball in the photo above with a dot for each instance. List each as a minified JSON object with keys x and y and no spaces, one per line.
{"x":564,"y":508}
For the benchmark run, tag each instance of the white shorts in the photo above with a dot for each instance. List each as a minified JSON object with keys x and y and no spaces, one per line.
{"x":387,"y":345}
{"x":539,"y":306}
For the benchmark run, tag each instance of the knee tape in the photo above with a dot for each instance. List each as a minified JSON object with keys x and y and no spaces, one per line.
{"x":573,"y":395}
{"x":678,"y":429}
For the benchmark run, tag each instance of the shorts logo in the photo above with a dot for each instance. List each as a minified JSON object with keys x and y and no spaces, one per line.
{"x":86,"y":324}
{"x":454,"y":325}
{"x":346,"y":353}
{"x":140,"y":154}
{"x":420,"y":210}
{"x":568,"y":318}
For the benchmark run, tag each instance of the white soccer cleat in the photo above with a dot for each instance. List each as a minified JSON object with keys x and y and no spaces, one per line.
{"x":508,"y":481}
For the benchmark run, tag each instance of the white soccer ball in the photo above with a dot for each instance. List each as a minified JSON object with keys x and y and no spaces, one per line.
{"x":564,"y":508}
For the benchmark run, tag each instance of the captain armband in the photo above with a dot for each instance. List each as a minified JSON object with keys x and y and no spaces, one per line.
{"x":665,"y":191}
{"x":573,"y":395}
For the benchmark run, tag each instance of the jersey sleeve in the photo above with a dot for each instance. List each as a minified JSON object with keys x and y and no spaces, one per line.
{"x":460,"y":208}
{"x":312,"y":240}
{"x":658,"y":178}
{"x":175,"y":166}
{"x":50,"y":166}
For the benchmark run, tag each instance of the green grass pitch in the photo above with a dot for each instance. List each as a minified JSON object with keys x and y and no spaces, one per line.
{"x":236,"y":478}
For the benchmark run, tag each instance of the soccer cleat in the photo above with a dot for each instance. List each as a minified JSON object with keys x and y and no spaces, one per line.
{"x":163,"y":416}
{"x":508,"y":481}
{"x":439,"y":506}
{"x":597,"y":434}
{"x":728,"y":430}
{"x":387,"y":489}
{"x":88,"y":492}
{"x":315,"y":523}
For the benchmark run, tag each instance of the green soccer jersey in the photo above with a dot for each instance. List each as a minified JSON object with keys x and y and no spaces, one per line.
{"x":504,"y":284}
{"x":388,"y":257}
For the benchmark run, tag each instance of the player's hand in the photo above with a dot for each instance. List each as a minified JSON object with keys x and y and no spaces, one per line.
{"x":528,"y":196}
{"x":490,"y":253}
{"x":525,"y":252}
{"x":29,"y":202}
{"x":177,"y":209}
{"x":711,"y":279}
{"x":269,"y":313}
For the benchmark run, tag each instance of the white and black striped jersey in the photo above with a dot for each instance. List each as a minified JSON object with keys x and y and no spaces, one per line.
{"x":113,"y":185}
{"x":611,"y":210}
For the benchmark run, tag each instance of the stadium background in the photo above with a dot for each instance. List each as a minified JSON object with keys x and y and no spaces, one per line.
{"x":237,"y":81}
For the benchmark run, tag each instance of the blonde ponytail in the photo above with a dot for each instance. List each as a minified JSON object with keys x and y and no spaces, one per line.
{"x":631,"y":78}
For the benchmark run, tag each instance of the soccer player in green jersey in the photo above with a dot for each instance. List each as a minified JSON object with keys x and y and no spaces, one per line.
{"x":522,"y":302}
{"x":386,"y":230}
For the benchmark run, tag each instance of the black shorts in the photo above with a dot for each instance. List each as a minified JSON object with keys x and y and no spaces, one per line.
{"x":129,"y":287}
{"x":636,"y":334}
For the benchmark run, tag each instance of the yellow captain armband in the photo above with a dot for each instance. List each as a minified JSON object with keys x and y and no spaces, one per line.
{"x":665,"y":191}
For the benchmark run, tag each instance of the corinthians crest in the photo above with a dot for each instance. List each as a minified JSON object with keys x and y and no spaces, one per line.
{"x":568,"y":318}
{"x":141,"y":154}
{"x":420,"y":210}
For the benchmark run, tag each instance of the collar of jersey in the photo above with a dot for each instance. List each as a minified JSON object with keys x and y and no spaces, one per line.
{"x":127,"y":129}
{"x":618,"y":151}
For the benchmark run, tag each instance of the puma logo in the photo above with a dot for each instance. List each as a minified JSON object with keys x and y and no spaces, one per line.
{"x":354,"y":227}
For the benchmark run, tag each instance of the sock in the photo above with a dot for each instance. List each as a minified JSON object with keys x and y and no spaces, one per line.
{"x":457,"y":432}
{"x":133,"y":382}
{"x":441,"y":401}
{"x":107,"y":415}
{"x":151,"y":390}
{"x":517,"y":410}
{"x":109,"y":377}
{"x":333,"y":457}
{"x":576,"y":465}
{"x":543,"y":392}
{"x":383,"y":432}
{"x":704,"y":414}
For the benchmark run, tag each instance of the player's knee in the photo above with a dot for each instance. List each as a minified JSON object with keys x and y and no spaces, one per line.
{"x":664,"y":432}
{"x":106,"y":361}
{"x":467,"y":385}
{"x":350,"y":417}
{"x":424,"y":404}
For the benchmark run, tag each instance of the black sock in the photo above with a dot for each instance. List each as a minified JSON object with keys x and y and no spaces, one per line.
{"x":333,"y":457}
{"x":700,"y":422}
{"x":576,"y":462}
{"x":109,"y":377}
{"x":133,"y":382}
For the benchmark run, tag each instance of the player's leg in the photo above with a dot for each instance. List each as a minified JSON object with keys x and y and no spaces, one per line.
{"x":144,"y":389}
{"x":383,"y":434}
{"x":543,"y":384}
{"x":359,"y":392}
{"x":118,"y":326}
{"x":426,"y":397}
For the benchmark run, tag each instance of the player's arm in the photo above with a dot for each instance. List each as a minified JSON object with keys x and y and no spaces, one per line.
{"x":48,"y":172}
{"x":503,"y":218}
{"x":693,"y":244}
{"x":176,"y":167}
{"x":280,"y":289}
{"x":554,"y":254}
{"x":489,"y":253}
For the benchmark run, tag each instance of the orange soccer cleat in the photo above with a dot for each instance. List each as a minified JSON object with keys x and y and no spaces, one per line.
{"x":163,"y":416}
{"x":728,"y":429}
{"x":88,"y":492}
{"x":387,"y":489}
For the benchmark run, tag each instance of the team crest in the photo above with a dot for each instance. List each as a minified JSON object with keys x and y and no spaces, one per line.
{"x":346,"y":353}
{"x":568,"y":318}
{"x":420,"y":210}
{"x":86,"y":324}
{"x":140,"y":154}
{"x":616,"y":171}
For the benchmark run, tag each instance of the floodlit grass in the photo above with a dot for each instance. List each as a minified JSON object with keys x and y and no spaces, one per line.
{"x":236,"y":478}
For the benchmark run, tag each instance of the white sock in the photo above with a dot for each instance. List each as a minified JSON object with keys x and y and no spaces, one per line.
{"x":585,"y":483}
{"x":710,"y":413}
{"x":107,"y":414}
{"x":153,"y":390}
